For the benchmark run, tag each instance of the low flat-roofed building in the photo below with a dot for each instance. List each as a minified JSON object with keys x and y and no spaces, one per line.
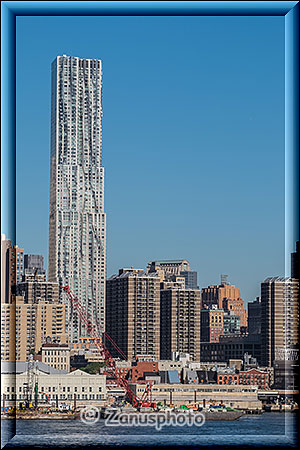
{"x":256,"y":377}
{"x":170,"y":365}
{"x":241,"y":397}
{"x":140,"y":367}
{"x":56,"y":384}
{"x":228,"y":378}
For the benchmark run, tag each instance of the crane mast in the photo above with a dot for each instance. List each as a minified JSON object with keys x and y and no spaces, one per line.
{"x":104,"y":352}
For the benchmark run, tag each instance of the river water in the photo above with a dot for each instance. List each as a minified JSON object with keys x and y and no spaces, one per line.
{"x":268,"y":429}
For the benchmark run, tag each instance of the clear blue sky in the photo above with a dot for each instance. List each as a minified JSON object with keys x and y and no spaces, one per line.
{"x":193,"y":139}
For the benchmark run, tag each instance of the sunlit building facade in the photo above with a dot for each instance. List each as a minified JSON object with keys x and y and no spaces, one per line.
{"x":77,"y":222}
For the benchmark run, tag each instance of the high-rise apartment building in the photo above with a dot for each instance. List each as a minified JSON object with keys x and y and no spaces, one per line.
{"x":133,"y":313}
{"x":26,"y":326}
{"x":279,"y":319}
{"x":180,"y":322}
{"x":77,"y":222}
{"x":34,"y":288}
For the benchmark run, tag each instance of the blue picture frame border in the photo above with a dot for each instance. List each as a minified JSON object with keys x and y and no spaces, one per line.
{"x":10,"y":10}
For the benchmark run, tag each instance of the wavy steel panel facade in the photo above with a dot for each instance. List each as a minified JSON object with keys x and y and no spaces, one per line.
{"x":77,"y":222}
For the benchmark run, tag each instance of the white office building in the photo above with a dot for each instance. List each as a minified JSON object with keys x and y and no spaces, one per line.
{"x":77,"y":222}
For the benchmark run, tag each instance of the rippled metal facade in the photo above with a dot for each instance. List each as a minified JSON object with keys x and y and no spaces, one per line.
{"x":77,"y":222}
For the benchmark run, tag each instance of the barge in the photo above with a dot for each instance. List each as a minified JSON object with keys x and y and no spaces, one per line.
{"x":209,"y":414}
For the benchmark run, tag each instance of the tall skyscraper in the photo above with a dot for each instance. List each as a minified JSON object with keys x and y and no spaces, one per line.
{"x":77,"y":222}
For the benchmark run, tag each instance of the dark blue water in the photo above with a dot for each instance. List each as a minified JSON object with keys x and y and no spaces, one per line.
{"x":268,"y":429}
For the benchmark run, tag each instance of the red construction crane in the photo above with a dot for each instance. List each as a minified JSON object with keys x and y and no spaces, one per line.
{"x":104,"y":352}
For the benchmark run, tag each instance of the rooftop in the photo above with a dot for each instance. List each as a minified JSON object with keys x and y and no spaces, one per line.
{"x":17,"y":367}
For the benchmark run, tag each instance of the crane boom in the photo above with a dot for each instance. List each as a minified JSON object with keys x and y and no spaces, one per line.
{"x":104,"y":352}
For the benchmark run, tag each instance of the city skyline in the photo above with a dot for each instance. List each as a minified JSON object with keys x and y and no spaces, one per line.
{"x":164,"y":181}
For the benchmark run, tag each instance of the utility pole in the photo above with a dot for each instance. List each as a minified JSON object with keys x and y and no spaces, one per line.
{"x":36,"y":392}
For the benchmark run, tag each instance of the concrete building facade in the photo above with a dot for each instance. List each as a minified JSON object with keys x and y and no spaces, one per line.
{"x":26,"y":326}
{"x":190,"y":277}
{"x":214,"y":295}
{"x":36,"y":289}
{"x":56,"y":355}
{"x":133,"y":313}
{"x":33,"y":262}
{"x":231,"y":323}
{"x":16,"y":264}
{"x":77,"y":222}
{"x":211,"y":324}
{"x":180,"y":322}
{"x":237,"y":306}
{"x":232,"y":348}
{"x":279,"y":318}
